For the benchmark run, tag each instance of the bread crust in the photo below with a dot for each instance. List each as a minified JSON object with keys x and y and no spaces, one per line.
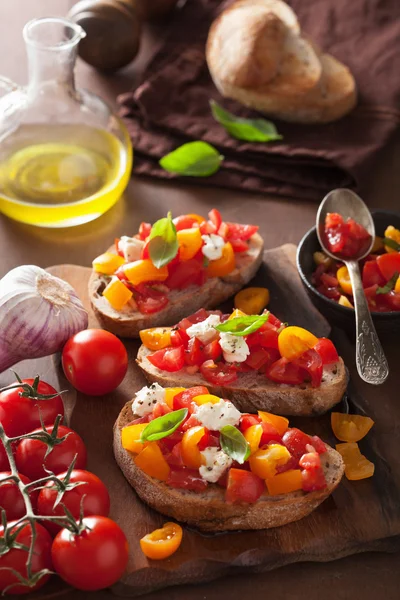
{"x":208,"y":510}
{"x":215,"y":291}
{"x":253,"y":391}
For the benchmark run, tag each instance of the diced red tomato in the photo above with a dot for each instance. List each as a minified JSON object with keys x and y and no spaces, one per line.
{"x":348,"y":238}
{"x":191,"y":421}
{"x":184,"y":399}
{"x":389,"y":264}
{"x":212,"y":351}
{"x":372,"y":275}
{"x":296,"y":442}
{"x":149,"y":305}
{"x":313,"y":480}
{"x":168,"y":359}
{"x":215,"y":219}
{"x":329,"y":280}
{"x":160,"y":410}
{"x":218,"y":373}
{"x":292,"y":463}
{"x":145,"y":419}
{"x":144,"y":230}
{"x":331,"y":293}
{"x":318,"y":444}
{"x":310,"y":461}
{"x":183,"y":274}
{"x":274,"y":321}
{"x":120,"y":273}
{"x":174,"y":457}
{"x":179,"y":337}
{"x":269,"y":434}
{"x":283,"y":371}
{"x":187,"y":479}
{"x":194,"y":354}
{"x":184,"y":222}
{"x":197,"y":317}
{"x":327,"y":351}
{"x":209,"y":439}
{"x":266,"y":336}
{"x":261,"y":357}
{"x":243,"y":486}
{"x":247,"y":421}
{"x":239,"y":245}
{"x":311,"y":363}
{"x":241,"y":232}
{"x":171,"y":441}
{"x":392,"y":300}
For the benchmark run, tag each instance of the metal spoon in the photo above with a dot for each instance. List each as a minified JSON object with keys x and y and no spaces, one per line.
{"x":371,"y":362}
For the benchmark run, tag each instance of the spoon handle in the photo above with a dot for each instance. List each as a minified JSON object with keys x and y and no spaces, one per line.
{"x":371,"y":361}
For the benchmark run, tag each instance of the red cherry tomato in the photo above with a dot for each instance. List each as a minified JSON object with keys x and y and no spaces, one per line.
{"x":212,"y":351}
{"x":389,"y":264}
{"x":266,"y":337}
{"x":183,"y":274}
{"x":296,"y":441}
{"x":283,"y":371}
{"x":197,"y":317}
{"x":4,"y":462}
{"x":149,"y":305}
{"x":168,"y":359}
{"x":239,"y":245}
{"x":29,"y":456}
{"x":16,"y":559}
{"x":11,"y":499}
{"x":218,"y":373}
{"x":96,"y":500}
{"x":184,"y":399}
{"x":185,"y":222}
{"x":262,"y":357}
{"x":269,"y":434}
{"x":372,"y":275}
{"x":144,"y":230}
{"x":311,"y":363}
{"x":215,"y":219}
{"x":20,"y":414}
{"x":94,"y":559}
{"x":194,"y":354}
{"x":241,"y":232}
{"x":247,"y":421}
{"x":94,"y":361}
{"x":327,"y":351}
{"x":243,"y":486}
{"x":187,"y":479}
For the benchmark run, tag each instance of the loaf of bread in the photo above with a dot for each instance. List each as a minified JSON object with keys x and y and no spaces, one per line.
{"x":257,"y":55}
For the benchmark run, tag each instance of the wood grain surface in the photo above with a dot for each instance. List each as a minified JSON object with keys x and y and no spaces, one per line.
{"x":360,"y":516}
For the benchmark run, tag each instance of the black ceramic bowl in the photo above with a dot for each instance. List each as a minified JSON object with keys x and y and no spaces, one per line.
{"x":342,"y":316}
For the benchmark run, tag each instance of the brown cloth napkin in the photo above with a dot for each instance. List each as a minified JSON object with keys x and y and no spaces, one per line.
{"x":171,"y":106}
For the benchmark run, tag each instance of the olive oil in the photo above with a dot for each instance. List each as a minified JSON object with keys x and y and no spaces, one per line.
{"x":62,"y":175}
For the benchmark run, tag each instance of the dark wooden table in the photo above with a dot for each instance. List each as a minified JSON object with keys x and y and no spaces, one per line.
{"x":366,"y":576}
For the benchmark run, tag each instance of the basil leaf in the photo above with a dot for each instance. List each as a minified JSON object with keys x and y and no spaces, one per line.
{"x":241,"y":326}
{"x":389,"y":286}
{"x":163,"y":244}
{"x":249,"y":130}
{"x":163,"y":426}
{"x":234,"y":444}
{"x":391,"y":243}
{"x":195,"y":159}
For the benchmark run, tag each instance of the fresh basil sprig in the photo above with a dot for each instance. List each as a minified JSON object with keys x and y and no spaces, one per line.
{"x":249,"y":130}
{"x":163,"y":244}
{"x":163,"y":426}
{"x":241,"y":326}
{"x":194,"y":159}
{"x":389,"y":286}
{"x":391,"y":244}
{"x":234,"y":444}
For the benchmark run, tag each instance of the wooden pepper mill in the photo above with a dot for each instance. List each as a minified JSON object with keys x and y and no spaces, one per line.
{"x":113,"y":29}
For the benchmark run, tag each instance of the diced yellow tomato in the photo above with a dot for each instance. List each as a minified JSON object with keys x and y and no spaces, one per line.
{"x":320,"y":258}
{"x":117,"y":293}
{"x":264,"y":462}
{"x":205,"y":398}
{"x":252,"y":300}
{"x":190,"y":242}
{"x":156,"y":338}
{"x":107,"y":263}
{"x":284,"y":483}
{"x":170,"y":393}
{"x":397,"y":286}
{"x":152,"y":462}
{"x":130,"y":437}
{"x":394,"y":234}
{"x":357,"y":466}
{"x":343,"y":278}
{"x":344,"y":301}
{"x":224,"y":265}
{"x":190,"y":452}
{"x":294,"y":341}
{"x":253,"y":436}
{"x":350,"y":428}
{"x":280,"y":423}
{"x":161,"y":543}
{"x":197,"y":218}
{"x":378,"y":245}
{"x":237,"y":313}
{"x":141,"y":271}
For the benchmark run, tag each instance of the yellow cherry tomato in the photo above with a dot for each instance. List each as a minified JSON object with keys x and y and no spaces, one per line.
{"x":152,"y":462}
{"x":162,"y":543}
{"x":252,"y":300}
{"x":130,"y":437}
{"x":190,"y":242}
{"x":350,"y":428}
{"x":237,"y":313}
{"x":320,"y":258}
{"x":264,"y":462}
{"x":156,"y":338}
{"x":393,"y":234}
{"x":294,"y":341}
{"x":205,"y":398}
{"x":344,"y":301}
{"x":357,"y":466}
{"x":117,"y":293}
{"x":397,"y":286}
{"x":141,"y":271}
{"x":253,"y":436}
{"x":284,"y":483}
{"x":197,"y":218}
{"x":190,"y":452}
{"x":170,"y":394}
{"x":224,"y":265}
{"x":107,"y":263}
{"x":343,"y":278}
{"x":280,"y":423}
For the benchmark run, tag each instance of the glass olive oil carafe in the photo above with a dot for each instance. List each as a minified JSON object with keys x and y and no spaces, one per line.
{"x":65,"y":158}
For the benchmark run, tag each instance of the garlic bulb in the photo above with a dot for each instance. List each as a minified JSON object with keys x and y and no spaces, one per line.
{"x":38,"y":314}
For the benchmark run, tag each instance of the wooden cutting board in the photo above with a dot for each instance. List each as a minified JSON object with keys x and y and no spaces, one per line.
{"x":360,"y":516}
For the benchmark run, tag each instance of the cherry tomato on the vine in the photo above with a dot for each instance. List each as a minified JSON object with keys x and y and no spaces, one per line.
{"x":11,"y":499}
{"x":93,"y":559}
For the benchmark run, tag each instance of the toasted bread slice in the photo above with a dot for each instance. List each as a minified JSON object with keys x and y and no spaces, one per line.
{"x":128,"y":322}
{"x":208,"y":510}
{"x":253,"y":391}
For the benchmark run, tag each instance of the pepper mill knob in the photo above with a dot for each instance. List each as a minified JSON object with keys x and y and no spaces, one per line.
{"x":112,"y":32}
